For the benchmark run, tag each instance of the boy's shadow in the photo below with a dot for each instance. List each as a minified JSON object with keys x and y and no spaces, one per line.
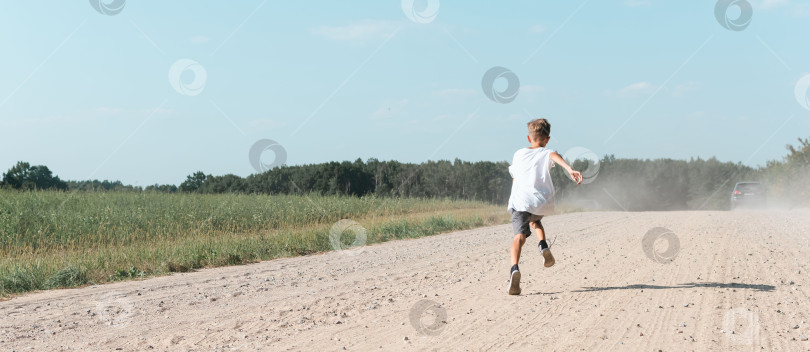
{"x":735,"y":285}
{"x":542,"y":293}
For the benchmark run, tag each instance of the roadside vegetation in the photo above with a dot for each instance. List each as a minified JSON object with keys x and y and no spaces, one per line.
{"x":56,"y":239}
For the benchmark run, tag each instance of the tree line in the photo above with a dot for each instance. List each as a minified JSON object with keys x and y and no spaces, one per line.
{"x":617,"y":184}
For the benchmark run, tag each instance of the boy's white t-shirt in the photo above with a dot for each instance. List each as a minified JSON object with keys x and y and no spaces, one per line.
{"x":532,"y":190}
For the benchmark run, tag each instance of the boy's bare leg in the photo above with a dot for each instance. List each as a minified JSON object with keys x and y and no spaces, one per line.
{"x":517,"y":243}
{"x":538,"y":229}
{"x":514,"y":273}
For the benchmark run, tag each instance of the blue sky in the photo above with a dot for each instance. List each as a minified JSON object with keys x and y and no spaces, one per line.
{"x":89,"y":94}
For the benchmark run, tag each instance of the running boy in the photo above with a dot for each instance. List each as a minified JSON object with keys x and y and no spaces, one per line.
{"x":533,"y":194}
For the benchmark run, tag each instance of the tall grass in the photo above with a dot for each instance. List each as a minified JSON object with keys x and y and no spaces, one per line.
{"x":55,"y":239}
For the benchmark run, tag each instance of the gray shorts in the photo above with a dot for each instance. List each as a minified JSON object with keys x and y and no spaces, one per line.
{"x":521,"y":220}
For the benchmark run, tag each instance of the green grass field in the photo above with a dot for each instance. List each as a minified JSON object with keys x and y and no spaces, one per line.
{"x":58,"y":239}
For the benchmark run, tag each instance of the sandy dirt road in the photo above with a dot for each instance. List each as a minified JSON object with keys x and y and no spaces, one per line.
{"x":730,"y":281}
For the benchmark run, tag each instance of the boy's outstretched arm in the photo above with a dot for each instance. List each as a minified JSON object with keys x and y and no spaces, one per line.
{"x":575,"y":175}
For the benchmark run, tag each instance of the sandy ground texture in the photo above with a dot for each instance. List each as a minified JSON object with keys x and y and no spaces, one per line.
{"x":671,"y":281}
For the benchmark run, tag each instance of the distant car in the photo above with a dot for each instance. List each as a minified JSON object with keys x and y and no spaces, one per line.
{"x":748,"y":194}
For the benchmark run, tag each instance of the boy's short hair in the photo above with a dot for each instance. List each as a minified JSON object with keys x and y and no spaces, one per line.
{"x":539,"y":128}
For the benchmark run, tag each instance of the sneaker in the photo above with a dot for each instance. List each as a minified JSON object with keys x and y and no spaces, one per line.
{"x":548,"y":259}
{"x":514,"y":282}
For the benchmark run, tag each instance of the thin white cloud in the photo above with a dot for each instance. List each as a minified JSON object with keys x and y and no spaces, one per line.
{"x":454,"y":93}
{"x":108,"y":110}
{"x":697,"y":115}
{"x":537,"y":29}
{"x":637,"y":3}
{"x":636,"y":90}
{"x":681,"y":89}
{"x":50,"y":120}
{"x":531,"y":89}
{"x":518,"y":117}
{"x":359,"y":31}
{"x":390,"y":109}
{"x":266,"y":124}
{"x":801,"y":10}
{"x":769,"y":4}
{"x":444,"y":117}
{"x":198,"y":39}
{"x":158,"y":111}
{"x":793,"y":8}
{"x":90,"y":116}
